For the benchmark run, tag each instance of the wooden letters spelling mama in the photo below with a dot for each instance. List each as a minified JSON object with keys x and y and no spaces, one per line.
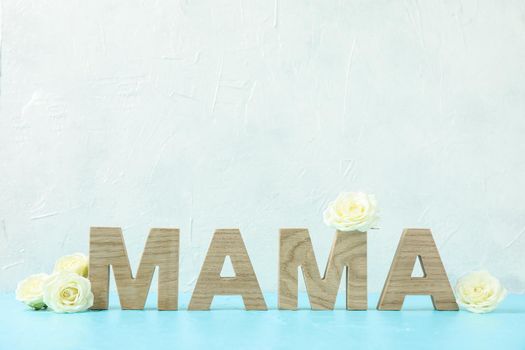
{"x":348,"y":255}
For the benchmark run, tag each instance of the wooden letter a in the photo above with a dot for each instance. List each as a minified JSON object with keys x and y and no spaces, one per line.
{"x":227,"y":242}
{"x":414,"y":244}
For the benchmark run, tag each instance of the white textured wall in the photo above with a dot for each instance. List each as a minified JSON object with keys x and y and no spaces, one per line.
{"x":254,"y":114}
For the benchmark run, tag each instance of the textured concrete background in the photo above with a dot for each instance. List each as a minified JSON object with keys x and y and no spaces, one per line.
{"x":255,"y":114}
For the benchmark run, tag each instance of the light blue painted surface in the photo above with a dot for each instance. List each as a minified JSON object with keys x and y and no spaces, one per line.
{"x":230,"y":327}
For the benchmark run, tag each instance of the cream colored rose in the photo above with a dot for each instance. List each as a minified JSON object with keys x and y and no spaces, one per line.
{"x":31,"y":291}
{"x":77,"y":263}
{"x":479,"y":292}
{"x":352,"y":211}
{"x":68,"y":292}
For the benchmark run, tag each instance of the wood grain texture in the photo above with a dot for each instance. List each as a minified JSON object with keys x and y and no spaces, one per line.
{"x":107,"y":248}
{"x":414,"y":244}
{"x":348,"y":251}
{"x":227,"y":242}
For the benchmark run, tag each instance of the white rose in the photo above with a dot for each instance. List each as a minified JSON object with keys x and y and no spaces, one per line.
{"x":77,"y":263}
{"x":479,"y":292}
{"x":31,"y":291}
{"x":68,"y":292}
{"x":352,"y":211}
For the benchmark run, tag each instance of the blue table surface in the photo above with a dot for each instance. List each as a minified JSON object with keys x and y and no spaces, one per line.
{"x":228,"y":326}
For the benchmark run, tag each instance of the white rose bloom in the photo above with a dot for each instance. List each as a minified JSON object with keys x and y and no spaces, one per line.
{"x":479,"y":292}
{"x":352,"y":211}
{"x":31,"y":291}
{"x":68,"y":292}
{"x":77,"y":263}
